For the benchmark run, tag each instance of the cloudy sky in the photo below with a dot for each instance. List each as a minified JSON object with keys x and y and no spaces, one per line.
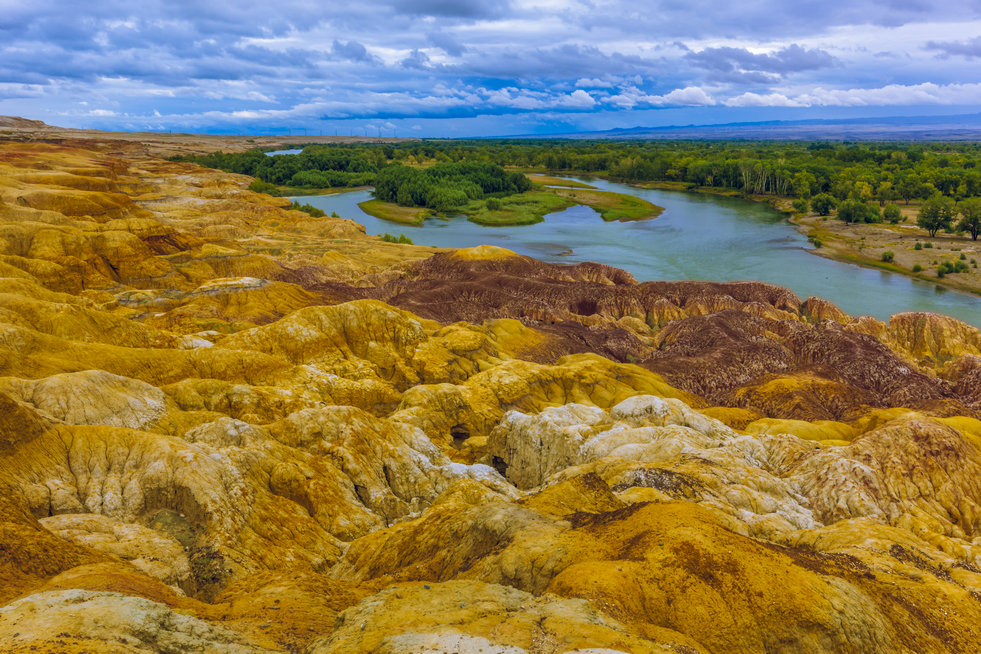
{"x":480,"y":68}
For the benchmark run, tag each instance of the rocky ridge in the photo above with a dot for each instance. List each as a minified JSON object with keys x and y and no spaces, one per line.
{"x":228,"y":426}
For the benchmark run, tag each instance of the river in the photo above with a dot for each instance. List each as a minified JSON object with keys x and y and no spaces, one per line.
{"x":698,"y":236}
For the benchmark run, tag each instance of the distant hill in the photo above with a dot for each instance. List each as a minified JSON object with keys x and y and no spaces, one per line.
{"x":22,"y":123}
{"x":965,"y":127}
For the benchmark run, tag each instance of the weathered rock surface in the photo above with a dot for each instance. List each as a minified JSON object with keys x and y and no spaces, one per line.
{"x":226,"y":426}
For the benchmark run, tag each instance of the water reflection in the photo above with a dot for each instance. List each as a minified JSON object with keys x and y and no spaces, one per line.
{"x":698,"y":237}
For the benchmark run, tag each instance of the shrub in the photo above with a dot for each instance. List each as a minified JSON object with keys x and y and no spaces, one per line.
{"x":918,"y":246}
{"x":493,"y":204}
{"x":401,"y":238}
{"x":948,"y":267}
{"x":928,"y":245}
{"x":802,"y":205}
{"x":258,"y":186}
{"x":308,"y":208}
{"x":888,"y":256}
{"x":917,"y":268}
{"x":853,"y":211}
{"x":963,"y":256}
{"x":892,"y":213}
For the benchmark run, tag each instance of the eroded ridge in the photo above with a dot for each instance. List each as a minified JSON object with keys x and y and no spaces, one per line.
{"x":227,"y":426}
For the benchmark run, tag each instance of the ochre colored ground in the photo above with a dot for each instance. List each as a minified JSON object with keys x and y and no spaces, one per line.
{"x":228,"y":426}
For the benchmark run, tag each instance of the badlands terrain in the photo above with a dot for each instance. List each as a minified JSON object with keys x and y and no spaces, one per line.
{"x":227,"y":426}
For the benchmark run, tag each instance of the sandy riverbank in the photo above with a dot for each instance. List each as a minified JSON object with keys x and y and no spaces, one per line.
{"x":864,"y":244}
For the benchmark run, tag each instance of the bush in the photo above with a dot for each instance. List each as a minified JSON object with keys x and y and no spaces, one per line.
{"x":928,"y":245}
{"x":308,"y":208}
{"x":948,"y":267}
{"x":888,"y":256}
{"x":493,"y":204}
{"x":963,"y":256}
{"x":401,"y":238}
{"x":258,"y":186}
{"x":853,"y":211}
{"x":802,"y":205}
{"x":918,"y":246}
{"x":917,"y":268}
{"x":892,"y":213}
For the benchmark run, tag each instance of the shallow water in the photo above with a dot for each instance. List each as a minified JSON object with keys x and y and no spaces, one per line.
{"x":697,"y":237}
{"x":275,"y":152}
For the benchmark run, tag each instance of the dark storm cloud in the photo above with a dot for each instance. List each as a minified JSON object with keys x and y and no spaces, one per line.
{"x":416,"y":60}
{"x":970,"y":49}
{"x":564,"y":61}
{"x":446,"y":43}
{"x":740,"y":64}
{"x":453,"y":8}
{"x":352,"y":50}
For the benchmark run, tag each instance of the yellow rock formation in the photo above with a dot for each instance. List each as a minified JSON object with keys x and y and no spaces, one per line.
{"x":216,"y":436}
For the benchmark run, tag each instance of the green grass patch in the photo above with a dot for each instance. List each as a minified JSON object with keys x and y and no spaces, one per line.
{"x":291,"y":191}
{"x":520,"y":209}
{"x":395,"y":213}
{"x":549,"y":180}
{"x":613,"y":206}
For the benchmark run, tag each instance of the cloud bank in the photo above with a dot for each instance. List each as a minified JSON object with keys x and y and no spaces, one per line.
{"x":506,"y":67}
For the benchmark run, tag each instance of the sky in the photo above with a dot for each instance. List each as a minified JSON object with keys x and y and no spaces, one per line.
{"x":458,"y":68}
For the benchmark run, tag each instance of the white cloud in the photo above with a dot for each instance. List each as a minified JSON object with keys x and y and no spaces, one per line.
{"x":894,"y":94}
{"x":577,"y":98}
{"x":762,"y":100}
{"x":690,"y":96}
{"x":631,"y":97}
{"x":594,"y":83}
{"x":387,"y":60}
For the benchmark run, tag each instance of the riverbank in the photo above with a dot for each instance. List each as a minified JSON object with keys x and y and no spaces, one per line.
{"x":864,"y":244}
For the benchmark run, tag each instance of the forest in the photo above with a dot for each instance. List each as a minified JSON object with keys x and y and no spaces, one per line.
{"x":856,"y":181}
{"x":446,"y":185}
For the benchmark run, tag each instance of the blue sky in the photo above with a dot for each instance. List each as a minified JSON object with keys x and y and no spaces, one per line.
{"x":477,"y":68}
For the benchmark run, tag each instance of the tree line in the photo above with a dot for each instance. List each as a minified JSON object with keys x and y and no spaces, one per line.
{"x":862,"y":181}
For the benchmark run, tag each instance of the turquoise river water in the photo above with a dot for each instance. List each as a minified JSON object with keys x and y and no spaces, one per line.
{"x":697,"y":237}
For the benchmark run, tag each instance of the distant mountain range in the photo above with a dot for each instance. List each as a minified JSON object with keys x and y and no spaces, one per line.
{"x":964,"y":127}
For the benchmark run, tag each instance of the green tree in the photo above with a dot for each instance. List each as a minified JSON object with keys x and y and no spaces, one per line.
{"x":970,"y":211}
{"x":853,"y":211}
{"x":822,"y":203}
{"x":936,"y":213}
{"x":801,"y":205}
{"x":892,"y":213}
{"x":908,"y":187}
